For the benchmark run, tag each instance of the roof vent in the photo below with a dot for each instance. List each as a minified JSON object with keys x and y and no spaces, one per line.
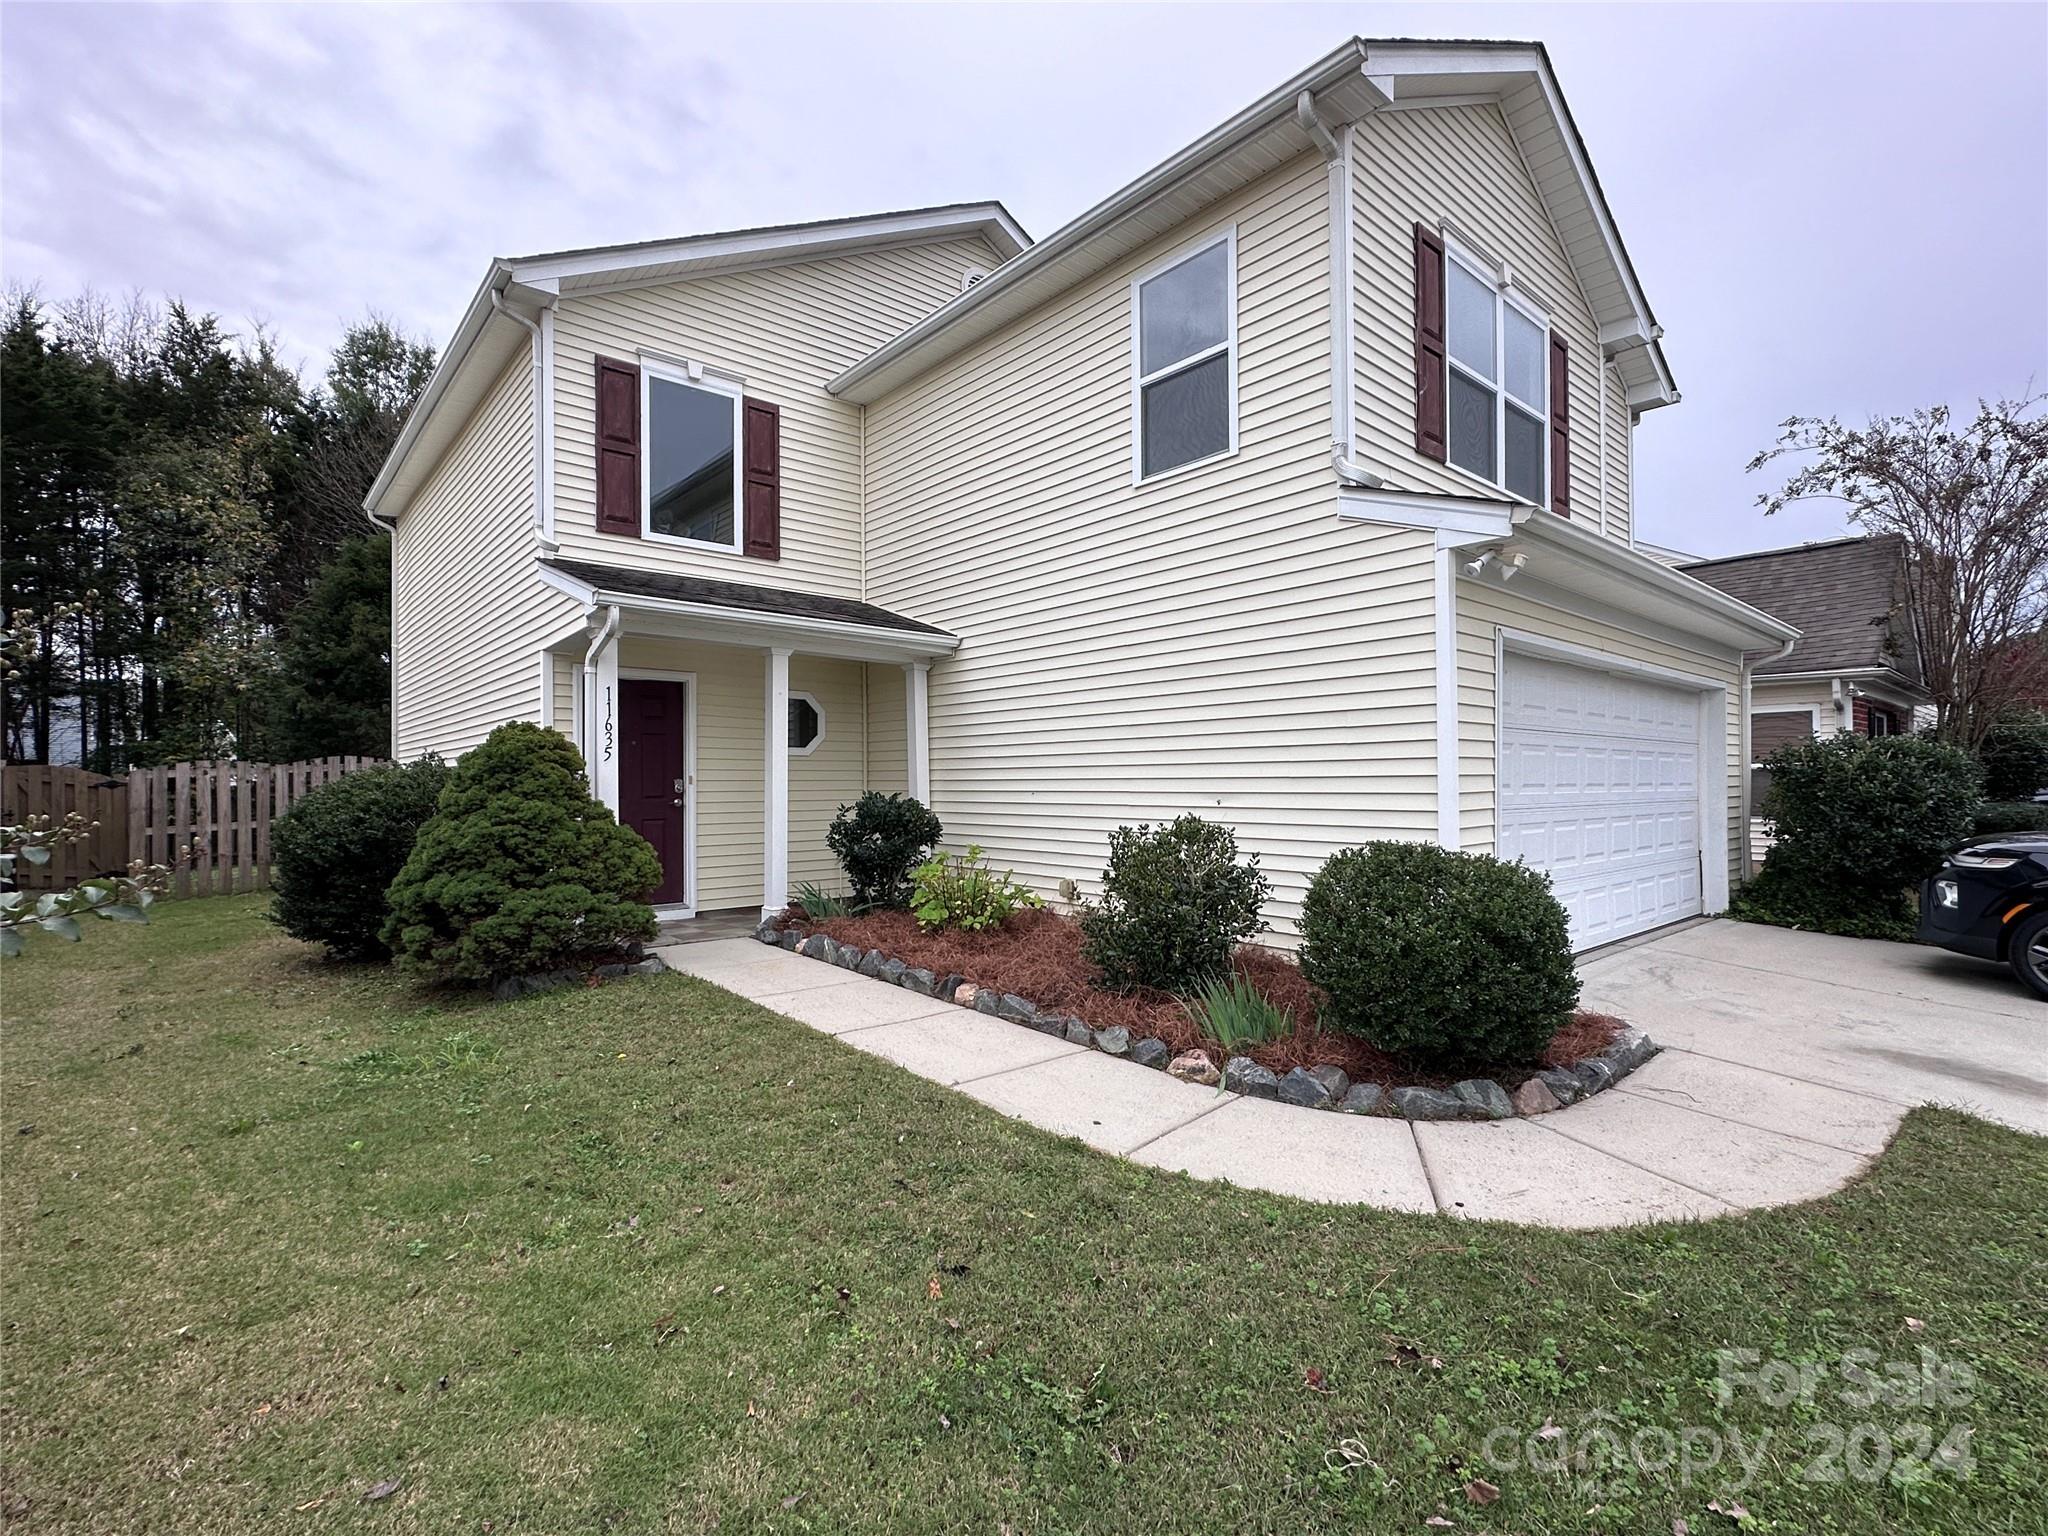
{"x":972,"y":276}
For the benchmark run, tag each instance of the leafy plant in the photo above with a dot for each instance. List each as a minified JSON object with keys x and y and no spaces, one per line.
{"x":519,"y":870}
{"x":335,"y":854}
{"x":1175,"y":903}
{"x":1995,"y":816}
{"x":1234,"y":1013}
{"x":1451,"y":959}
{"x":1858,"y":822}
{"x":963,"y":892}
{"x":2014,"y":755}
{"x":819,"y":904}
{"x":116,"y":898}
{"x":879,"y":840}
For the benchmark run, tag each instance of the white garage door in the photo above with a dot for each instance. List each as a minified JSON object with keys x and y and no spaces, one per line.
{"x":1599,"y":785}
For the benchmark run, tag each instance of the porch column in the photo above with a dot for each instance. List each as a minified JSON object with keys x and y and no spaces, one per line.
{"x":775,"y":790}
{"x":916,"y":710}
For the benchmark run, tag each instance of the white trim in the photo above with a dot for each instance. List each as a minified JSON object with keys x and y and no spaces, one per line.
{"x":1449,"y":830}
{"x":707,"y":381}
{"x":793,"y":242}
{"x":817,"y":709}
{"x":1226,"y":348}
{"x":1426,"y":510}
{"x":689,"y":775}
{"x":1711,"y":740}
{"x":775,"y":786}
{"x":917,"y":721}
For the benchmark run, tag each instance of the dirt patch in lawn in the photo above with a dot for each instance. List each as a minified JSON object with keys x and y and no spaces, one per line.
{"x":1037,"y":955}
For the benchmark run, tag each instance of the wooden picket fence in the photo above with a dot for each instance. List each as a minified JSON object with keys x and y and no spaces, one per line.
{"x":207,"y":822}
{"x":40,"y":789}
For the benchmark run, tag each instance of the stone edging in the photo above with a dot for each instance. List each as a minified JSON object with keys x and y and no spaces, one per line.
{"x":1478,"y":1098}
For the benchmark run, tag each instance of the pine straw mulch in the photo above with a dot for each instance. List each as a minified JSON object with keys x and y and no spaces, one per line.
{"x":1037,"y":955}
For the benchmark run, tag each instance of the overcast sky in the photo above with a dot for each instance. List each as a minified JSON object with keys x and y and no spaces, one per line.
{"x":1833,"y":209}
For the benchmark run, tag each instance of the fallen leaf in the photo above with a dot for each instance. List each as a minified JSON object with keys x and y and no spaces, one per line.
{"x":382,"y":1490}
{"x":933,"y":1289}
{"x":1313,"y":1379}
{"x":1914,"y":1325}
{"x":791,"y":1501}
{"x":1679,"y":1527}
{"x":300,"y":1509}
{"x":1439,"y":1520}
{"x":1481,"y":1492}
{"x":718,"y":1290}
{"x":1549,"y":1431}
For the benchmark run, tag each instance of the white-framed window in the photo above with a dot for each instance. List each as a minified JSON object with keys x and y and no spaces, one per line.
{"x":806,"y":725}
{"x":1497,"y":398}
{"x":689,"y":434}
{"x":1184,"y":359}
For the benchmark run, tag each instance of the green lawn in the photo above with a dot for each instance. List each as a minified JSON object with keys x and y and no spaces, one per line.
{"x":646,"y":1258}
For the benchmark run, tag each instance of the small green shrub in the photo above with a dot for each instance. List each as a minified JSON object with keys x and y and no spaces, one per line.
{"x":1175,"y":903}
{"x":879,"y":840}
{"x":2014,"y":755}
{"x":519,"y":871}
{"x":1857,"y":823}
{"x":1450,"y":959}
{"x":819,"y":904}
{"x":1995,"y":816}
{"x":1234,"y":1013}
{"x":1786,"y":897}
{"x":334,"y":855}
{"x":964,"y":893}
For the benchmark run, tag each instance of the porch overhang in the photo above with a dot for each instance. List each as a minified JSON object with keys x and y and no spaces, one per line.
{"x":733,"y":613}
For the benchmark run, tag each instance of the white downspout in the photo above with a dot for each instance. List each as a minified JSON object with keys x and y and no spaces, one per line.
{"x":599,"y":643}
{"x":543,"y":417}
{"x":1336,"y":153}
{"x":1603,"y":444}
{"x":1747,"y":819}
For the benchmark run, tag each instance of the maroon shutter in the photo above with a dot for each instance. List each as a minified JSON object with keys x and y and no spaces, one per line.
{"x":762,"y":431}
{"x":1430,"y":433}
{"x":618,"y":447}
{"x":1560,"y":427}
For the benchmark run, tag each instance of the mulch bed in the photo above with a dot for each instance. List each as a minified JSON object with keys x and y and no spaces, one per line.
{"x":1037,"y":955}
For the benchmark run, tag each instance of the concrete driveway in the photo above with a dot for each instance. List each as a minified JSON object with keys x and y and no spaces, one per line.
{"x":1897,"y":1022}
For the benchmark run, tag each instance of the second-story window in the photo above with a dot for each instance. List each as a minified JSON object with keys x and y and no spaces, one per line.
{"x":1184,"y":376}
{"x":1499,"y":381}
{"x":692,"y":426}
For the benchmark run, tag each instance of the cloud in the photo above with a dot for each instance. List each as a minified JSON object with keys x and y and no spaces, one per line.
{"x":1832,"y":209}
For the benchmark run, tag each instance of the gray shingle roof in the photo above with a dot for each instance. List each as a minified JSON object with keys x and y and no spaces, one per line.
{"x":1844,"y":595}
{"x":733,"y":594}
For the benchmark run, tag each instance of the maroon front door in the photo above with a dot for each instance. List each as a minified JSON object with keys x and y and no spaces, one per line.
{"x":651,"y":774}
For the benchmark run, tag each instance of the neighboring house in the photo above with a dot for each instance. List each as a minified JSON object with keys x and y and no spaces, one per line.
{"x":1854,"y":666}
{"x":1290,"y":485}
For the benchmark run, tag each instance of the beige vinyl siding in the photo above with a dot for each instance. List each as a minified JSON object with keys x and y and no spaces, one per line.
{"x":785,"y":331}
{"x":562,"y":685}
{"x":469,"y":616}
{"x":888,"y":730}
{"x":1459,"y":164}
{"x":1621,"y":444}
{"x":731,"y":756}
{"x":1803,"y":695}
{"x":1215,"y":641}
{"x":1483,"y":610}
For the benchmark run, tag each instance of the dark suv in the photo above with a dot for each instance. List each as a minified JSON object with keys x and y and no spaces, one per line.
{"x":1991,"y":900}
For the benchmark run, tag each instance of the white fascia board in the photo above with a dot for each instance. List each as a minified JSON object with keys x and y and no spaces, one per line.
{"x":1592,"y":549}
{"x":1276,"y":106}
{"x":786,"y":244}
{"x":822,"y":637}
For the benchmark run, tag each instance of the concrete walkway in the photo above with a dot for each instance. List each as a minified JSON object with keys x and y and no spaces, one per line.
{"x":1782,"y":1077}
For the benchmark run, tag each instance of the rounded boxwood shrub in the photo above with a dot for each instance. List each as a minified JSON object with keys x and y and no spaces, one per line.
{"x":879,"y":840}
{"x":336,"y":852}
{"x":520,"y":871}
{"x":2014,"y":756}
{"x":1453,"y":960}
{"x":1175,"y":903}
{"x":2001,"y":816}
{"x":1857,"y":823}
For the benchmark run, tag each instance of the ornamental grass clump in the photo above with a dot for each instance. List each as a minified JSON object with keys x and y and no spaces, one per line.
{"x":1449,"y":960}
{"x":335,"y":853}
{"x":520,"y":871}
{"x":1176,"y":901}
